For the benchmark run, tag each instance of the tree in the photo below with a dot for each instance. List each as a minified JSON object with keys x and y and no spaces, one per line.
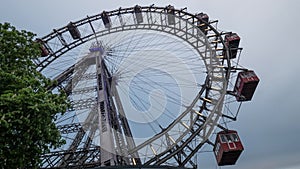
{"x":27,"y":108}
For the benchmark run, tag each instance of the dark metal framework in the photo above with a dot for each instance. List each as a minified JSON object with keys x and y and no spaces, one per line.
{"x":202,"y":121}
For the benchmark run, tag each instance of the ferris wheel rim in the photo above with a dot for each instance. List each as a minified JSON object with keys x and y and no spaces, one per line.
{"x":53,"y":35}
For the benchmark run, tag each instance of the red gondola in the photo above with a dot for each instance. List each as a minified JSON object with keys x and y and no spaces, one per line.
{"x":202,"y":18}
{"x":44,"y":50}
{"x":228,"y":147}
{"x":245,"y":85}
{"x":106,"y":20}
{"x":232,"y":41}
{"x":73,"y":31}
{"x":171,"y":14}
{"x":138,"y":14}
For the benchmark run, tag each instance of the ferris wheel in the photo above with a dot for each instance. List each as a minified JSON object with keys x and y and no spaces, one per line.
{"x":149,"y":86}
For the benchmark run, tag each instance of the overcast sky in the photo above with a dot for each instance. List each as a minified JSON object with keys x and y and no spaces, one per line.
{"x":269,"y":125}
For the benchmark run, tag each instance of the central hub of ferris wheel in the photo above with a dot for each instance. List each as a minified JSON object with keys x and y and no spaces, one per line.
{"x":149,"y":87}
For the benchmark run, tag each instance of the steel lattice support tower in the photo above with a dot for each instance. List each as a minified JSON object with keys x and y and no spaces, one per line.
{"x":115,"y":134}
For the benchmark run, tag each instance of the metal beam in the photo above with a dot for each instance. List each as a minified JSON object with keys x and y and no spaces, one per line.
{"x":92,"y":159}
{"x":69,"y":128}
{"x":108,"y":155}
{"x":83,"y":104}
{"x":127,"y":131}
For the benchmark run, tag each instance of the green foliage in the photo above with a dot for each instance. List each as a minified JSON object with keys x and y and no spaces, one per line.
{"x":27,"y":108}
